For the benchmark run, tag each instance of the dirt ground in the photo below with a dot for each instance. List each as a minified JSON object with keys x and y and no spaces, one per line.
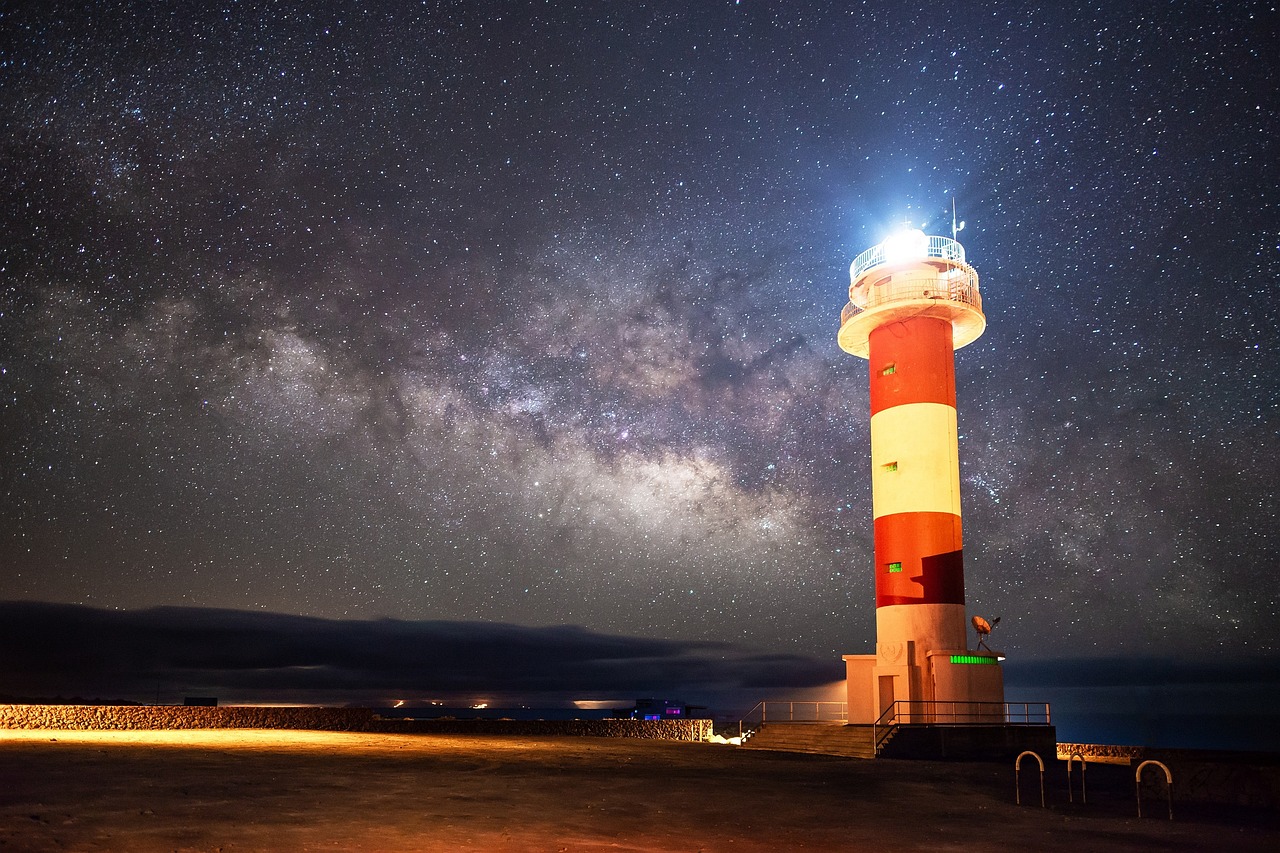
{"x":304,"y":791}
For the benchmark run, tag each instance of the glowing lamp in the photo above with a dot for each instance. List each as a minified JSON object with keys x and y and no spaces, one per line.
{"x":909,"y":245}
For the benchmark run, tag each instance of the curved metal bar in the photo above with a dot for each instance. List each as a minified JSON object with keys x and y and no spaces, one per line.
{"x":1168,"y":779}
{"x":1017,"y":776}
{"x":1084,"y":797}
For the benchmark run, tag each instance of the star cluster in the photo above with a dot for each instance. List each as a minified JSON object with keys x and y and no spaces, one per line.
{"x":526,"y":312}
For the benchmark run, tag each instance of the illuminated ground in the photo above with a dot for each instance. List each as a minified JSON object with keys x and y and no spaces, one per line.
{"x":258,"y":790}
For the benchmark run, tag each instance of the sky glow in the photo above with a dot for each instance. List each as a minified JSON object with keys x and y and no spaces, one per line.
{"x":526,"y":314}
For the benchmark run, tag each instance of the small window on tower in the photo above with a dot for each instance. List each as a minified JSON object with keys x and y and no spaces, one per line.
{"x":889,"y":370}
{"x":889,"y":466}
{"x":894,"y":568}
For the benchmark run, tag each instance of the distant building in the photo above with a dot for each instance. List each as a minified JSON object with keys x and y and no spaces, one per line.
{"x":667,"y":709}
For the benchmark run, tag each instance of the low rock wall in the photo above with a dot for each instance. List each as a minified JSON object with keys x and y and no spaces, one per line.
{"x":132,"y":717}
{"x":141,"y":717}
{"x":694,"y":730}
{"x":1202,"y":776}
{"x":1100,"y":752}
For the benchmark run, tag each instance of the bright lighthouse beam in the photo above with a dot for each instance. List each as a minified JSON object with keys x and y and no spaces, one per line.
{"x":903,"y":246}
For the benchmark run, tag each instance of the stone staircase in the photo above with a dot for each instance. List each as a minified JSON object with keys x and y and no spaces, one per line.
{"x":852,"y":741}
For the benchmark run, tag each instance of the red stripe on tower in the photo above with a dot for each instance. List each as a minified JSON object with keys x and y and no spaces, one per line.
{"x":912,"y":361}
{"x":924,"y":549}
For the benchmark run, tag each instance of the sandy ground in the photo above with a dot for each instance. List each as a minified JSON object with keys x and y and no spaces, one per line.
{"x":302,"y":791}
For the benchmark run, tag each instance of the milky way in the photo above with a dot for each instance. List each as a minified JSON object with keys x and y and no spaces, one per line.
{"x":527,"y":312}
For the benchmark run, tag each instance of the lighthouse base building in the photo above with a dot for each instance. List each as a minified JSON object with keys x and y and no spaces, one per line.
{"x":905,"y":684}
{"x":913,"y":300}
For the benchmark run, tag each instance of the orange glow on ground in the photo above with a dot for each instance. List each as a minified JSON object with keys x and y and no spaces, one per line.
{"x":266,"y":790}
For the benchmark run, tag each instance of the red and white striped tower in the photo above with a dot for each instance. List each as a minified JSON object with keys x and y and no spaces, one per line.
{"x":913,"y":301}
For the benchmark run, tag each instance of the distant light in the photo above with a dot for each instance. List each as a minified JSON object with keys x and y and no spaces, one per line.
{"x":598,"y":705}
{"x":909,"y":245}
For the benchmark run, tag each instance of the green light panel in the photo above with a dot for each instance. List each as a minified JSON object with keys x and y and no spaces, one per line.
{"x":974,"y":659}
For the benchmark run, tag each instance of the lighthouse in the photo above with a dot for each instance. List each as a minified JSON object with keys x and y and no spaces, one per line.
{"x":913,"y":301}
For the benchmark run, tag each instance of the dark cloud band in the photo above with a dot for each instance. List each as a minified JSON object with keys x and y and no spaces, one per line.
{"x":72,"y":650}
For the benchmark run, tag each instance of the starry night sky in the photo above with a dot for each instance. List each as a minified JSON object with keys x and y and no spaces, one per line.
{"x":525,"y":313}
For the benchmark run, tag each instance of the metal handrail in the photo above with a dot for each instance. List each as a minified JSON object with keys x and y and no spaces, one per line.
{"x":1042,"y":717}
{"x":947,"y":712}
{"x":903,"y":712}
{"x":750,"y":715}
{"x":794,"y":711}
{"x":882,"y":723}
{"x":918,"y":288}
{"x":938,"y":247}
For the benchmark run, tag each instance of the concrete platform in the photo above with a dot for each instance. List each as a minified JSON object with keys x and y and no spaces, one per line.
{"x":912,"y":741}
{"x":970,"y":743}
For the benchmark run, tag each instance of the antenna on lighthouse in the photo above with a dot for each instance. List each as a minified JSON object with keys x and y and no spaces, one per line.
{"x":955,"y":229}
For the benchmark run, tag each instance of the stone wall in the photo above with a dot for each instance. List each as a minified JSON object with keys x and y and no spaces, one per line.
{"x":126,"y":717}
{"x":123,"y":717}
{"x":695,"y":730}
{"x":1104,"y":752}
{"x":1201,"y":776}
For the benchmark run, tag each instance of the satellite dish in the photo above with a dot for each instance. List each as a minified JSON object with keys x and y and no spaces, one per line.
{"x":983,"y":627}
